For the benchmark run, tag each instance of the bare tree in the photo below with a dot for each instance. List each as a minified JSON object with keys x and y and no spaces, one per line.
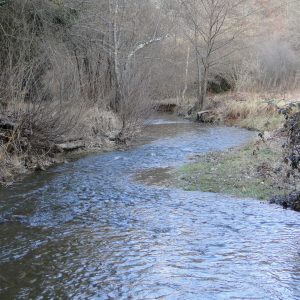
{"x":124,"y":30}
{"x":212,"y":26}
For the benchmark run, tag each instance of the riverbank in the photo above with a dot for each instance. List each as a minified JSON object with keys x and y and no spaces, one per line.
{"x":246,"y":110}
{"x":27,"y":147}
{"x":256,"y":170}
{"x":15,"y":167}
{"x":251,"y":111}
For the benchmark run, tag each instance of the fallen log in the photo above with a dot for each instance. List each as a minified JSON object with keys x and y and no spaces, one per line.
{"x":70,"y":146}
{"x":206,"y":116}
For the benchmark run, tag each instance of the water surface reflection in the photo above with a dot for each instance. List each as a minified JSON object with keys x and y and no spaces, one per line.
{"x":90,"y":232}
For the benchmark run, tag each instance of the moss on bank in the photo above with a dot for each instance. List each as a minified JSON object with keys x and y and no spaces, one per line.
{"x":243,"y":172}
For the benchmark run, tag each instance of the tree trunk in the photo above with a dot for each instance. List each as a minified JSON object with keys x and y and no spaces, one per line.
{"x":186,"y":74}
{"x":116,"y":58}
{"x":204,"y":81}
{"x":198,"y":80}
{"x":113,"y":61}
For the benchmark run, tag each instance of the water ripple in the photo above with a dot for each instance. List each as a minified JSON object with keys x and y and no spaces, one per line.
{"x":90,"y":232}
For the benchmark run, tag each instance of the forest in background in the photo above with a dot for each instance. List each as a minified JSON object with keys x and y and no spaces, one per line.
{"x":86,"y":73}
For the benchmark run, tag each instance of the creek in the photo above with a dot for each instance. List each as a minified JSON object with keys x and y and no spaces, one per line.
{"x":88,"y":230}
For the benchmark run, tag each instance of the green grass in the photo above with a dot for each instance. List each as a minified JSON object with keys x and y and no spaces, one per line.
{"x":262,"y":123}
{"x":243,"y":172}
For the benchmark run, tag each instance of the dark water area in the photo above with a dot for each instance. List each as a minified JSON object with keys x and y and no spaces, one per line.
{"x":87,"y":230}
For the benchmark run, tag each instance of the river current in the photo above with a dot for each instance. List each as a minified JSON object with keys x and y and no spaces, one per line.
{"x":88,"y":230}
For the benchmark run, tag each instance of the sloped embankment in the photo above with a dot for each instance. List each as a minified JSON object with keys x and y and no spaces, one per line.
{"x":30,"y":145}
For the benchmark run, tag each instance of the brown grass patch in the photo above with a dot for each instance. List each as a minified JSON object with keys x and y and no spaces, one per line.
{"x":255,"y":111}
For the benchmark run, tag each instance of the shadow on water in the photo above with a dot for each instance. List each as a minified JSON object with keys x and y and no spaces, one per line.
{"x":86,"y":230}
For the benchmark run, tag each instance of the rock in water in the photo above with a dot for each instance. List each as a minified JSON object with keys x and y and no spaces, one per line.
{"x":288,"y":201}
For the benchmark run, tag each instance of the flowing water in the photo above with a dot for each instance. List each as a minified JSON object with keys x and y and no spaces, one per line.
{"x":87,"y":230}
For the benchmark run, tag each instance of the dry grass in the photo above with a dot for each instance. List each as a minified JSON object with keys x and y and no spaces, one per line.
{"x":248,"y":110}
{"x":10,"y":165}
{"x":44,"y":127}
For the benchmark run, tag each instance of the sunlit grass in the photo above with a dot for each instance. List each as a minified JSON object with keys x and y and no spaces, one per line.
{"x":234,"y":172}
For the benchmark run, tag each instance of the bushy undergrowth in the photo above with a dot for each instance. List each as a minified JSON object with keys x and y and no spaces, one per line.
{"x":59,"y":81}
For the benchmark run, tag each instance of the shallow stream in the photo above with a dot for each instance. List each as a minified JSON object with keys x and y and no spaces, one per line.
{"x":87,"y":230}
